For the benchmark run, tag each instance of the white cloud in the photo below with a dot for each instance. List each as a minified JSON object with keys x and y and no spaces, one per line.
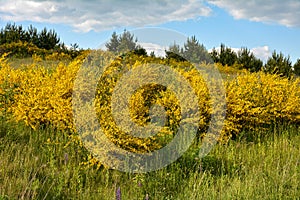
{"x":156,"y":48}
{"x":286,"y":12}
{"x":101,"y":15}
{"x":262,"y":53}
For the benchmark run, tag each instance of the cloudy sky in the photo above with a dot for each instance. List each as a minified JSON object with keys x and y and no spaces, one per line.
{"x":261,"y":25}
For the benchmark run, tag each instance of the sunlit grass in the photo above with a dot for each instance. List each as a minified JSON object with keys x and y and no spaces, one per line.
{"x":39,"y":165}
{"x":48,"y":64}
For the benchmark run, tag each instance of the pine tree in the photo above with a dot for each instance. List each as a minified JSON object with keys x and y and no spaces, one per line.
{"x":114,"y":43}
{"x":195,"y":52}
{"x":249,"y":61}
{"x":227,"y":56}
{"x":32,"y":35}
{"x":297,"y":68}
{"x":192,"y":51}
{"x":279,"y":64}
{"x":123,"y":43}
{"x":127,"y":42}
{"x":175,"y":48}
{"x":215,"y":55}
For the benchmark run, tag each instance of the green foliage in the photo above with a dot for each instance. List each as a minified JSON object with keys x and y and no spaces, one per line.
{"x":18,"y":42}
{"x":279,"y":64}
{"x":46,"y":164}
{"x":245,"y":59}
{"x":140,"y":52}
{"x":175,"y":48}
{"x":215,"y":55}
{"x":152,"y":54}
{"x":114,"y":43}
{"x":48,"y":39}
{"x":127,"y":42}
{"x":12,"y":33}
{"x":45,"y":39}
{"x":192,"y":51}
{"x":175,"y":56}
{"x":226,"y":56}
{"x":124,"y":43}
{"x":248,"y":61}
{"x":195,"y":52}
{"x":21,"y":49}
{"x":32,"y":35}
{"x":297,"y":68}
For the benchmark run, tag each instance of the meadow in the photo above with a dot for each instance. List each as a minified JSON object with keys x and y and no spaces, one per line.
{"x":42,"y":157}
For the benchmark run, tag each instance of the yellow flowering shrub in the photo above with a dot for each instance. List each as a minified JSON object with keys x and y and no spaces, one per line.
{"x":142,"y":99}
{"x":257,"y":99}
{"x":58,"y":56}
{"x":46,"y":98}
{"x":21,"y":49}
{"x":41,"y":96}
{"x":9,"y":80}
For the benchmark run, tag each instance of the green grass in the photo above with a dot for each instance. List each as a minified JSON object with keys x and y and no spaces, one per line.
{"x":48,"y":64}
{"x":258,"y":165}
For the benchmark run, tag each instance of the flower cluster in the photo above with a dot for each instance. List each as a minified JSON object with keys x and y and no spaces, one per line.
{"x":41,"y":96}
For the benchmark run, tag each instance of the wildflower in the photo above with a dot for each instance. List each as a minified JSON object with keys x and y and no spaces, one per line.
{"x":139,"y":184}
{"x":118,"y":194}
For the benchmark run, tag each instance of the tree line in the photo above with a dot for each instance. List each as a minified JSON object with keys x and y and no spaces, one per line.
{"x":24,"y":42}
{"x":45,"y":39}
{"x":196,"y":52}
{"x":278,"y":63}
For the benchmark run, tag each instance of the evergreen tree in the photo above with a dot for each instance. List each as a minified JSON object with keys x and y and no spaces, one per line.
{"x":279,"y":64}
{"x":176,"y":56}
{"x":114,"y":43}
{"x":152,"y":54}
{"x":215,"y":55}
{"x":175,"y":52}
{"x":140,"y":51}
{"x":44,"y":40}
{"x":127,"y":42}
{"x":175,"y":48}
{"x":12,"y":33}
{"x":249,"y":61}
{"x":192,"y":51}
{"x":195,"y":52}
{"x":227,"y":56}
{"x":47,"y":39}
{"x":32,"y":35}
{"x":123,"y":43}
{"x":297,"y":68}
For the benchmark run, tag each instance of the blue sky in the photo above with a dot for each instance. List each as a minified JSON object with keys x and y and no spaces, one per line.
{"x":261,"y":25}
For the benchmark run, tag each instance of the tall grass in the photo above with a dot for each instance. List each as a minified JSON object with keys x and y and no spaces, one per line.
{"x":43,"y":164}
{"x":48,"y":64}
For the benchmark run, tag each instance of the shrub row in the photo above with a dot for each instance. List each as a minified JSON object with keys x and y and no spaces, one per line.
{"x":40,"y":97}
